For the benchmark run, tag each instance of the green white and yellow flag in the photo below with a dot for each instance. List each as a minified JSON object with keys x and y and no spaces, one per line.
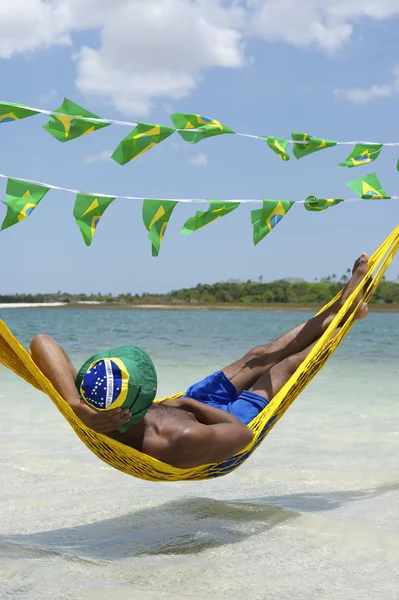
{"x":266,"y":218}
{"x":312,"y":144}
{"x":21,"y":200}
{"x":207,"y":126}
{"x":368,"y":187}
{"x":217,"y":209}
{"x":156,"y":217}
{"x":318,"y":204}
{"x":143,"y":137}
{"x":362,"y":154}
{"x":67,"y":126}
{"x":279,"y":146}
{"x":9,"y":111}
{"x":87,"y":211}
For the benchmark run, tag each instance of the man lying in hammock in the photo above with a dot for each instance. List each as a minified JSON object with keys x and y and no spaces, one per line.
{"x":208,"y":424}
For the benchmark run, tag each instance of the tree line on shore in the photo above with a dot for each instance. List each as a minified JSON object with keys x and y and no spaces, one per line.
{"x":283,"y":291}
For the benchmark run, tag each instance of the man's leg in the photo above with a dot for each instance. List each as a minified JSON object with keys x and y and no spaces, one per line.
{"x":246,"y":371}
{"x":271,"y":382}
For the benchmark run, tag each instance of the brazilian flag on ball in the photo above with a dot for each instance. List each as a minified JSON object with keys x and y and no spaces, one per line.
{"x":124,"y":377}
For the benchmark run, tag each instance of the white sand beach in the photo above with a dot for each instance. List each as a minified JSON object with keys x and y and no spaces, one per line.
{"x":32,"y":305}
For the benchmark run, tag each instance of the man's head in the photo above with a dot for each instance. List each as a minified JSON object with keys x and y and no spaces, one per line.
{"x":124,"y":377}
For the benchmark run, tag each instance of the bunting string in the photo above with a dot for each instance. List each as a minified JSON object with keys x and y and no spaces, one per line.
{"x":180,"y":200}
{"x":71,"y":121}
{"x":133,"y":124}
{"x":24,"y":195}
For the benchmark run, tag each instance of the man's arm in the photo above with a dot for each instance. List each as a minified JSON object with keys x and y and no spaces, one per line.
{"x":56,"y":365}
{"x":201,"y":444}
{"x":208,"y":415}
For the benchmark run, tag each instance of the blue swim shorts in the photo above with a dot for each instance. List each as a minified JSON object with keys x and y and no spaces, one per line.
{"x":218,"y":391}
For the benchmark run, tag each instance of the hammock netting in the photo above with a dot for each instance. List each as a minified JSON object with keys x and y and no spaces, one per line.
{"x":132,"y":462}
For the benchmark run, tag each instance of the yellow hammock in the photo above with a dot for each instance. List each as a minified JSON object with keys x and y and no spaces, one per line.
{"x":14,"y":356}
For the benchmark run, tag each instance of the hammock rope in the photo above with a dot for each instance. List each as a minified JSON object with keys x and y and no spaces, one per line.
{"x":132,"y":462}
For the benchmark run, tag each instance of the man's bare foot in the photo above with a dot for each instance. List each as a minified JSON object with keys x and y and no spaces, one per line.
{"x":362,"y":263}
{"x":359,"y":271}
{"x":362,"y":312}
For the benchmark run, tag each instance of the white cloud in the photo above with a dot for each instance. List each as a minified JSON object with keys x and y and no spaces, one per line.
{"x":103,"y":156}
{"x":47,"y":97}
{"x":364,"y":95}
{"x":383,"y":9}
{"x":178,"y":145}
{"x":374,"y":92}
{"x":85,"y":14}
{"x":199,"y":160}
{"x":301,"y":23}
{"x":28,"y":25}
{"x":327,"y":24}
{"x":157,"y":50}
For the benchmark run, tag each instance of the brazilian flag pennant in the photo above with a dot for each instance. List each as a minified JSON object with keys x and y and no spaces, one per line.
{"x":156,"y":217}
{"x":279,"y":146}
{"x":65,"y":128}
{"x":312,"y":144}
{"x":9,"y":111}
{"x":217,"y":209}
{"x":143,"y":137}
{"x":21,"y":200}
{"x":362,"y":154}
{"x":368,"y":187}
{"x":207,"y":127}
{"x":87,"y":211}
{"x":316,"y":204}
{"x":266,"y":218}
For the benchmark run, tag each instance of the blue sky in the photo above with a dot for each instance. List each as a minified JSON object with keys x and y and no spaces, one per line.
{"x":344,"y":90}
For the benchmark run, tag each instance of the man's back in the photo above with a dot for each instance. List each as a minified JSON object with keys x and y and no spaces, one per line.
{"x":184,"y":433}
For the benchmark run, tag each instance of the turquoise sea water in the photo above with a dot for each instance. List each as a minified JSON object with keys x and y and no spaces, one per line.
{"x":313,"y":514}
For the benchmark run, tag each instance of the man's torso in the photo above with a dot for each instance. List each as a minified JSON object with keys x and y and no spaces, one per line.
{"x":160,"y":423}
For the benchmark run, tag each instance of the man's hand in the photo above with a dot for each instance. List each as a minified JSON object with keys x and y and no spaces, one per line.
{"x":101,"y":421}
{"x":54,"y":362}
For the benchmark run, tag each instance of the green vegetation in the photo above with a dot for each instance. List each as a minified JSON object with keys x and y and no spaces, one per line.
{"x":283,"y":291}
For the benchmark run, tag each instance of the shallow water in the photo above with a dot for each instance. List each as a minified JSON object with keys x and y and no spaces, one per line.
{"x":312,"y":514}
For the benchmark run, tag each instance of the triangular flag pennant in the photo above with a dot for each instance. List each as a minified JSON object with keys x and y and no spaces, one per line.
{"x":206,"y":127}
{"x":362,"y":154}
{"x":216,"y":210}
{"x":143,"y":137}
{"x":317,"y":204}
{"x":68,"y":126}
{"x":368,"y":187}
{"x":21,"y":200}
{"x":156,"y":216}
{"x":279,"y":146}
{"x":9,"y":111}
{"x":312,"y":144}
{"x":87,"y":211}
{"x":266,"y":218}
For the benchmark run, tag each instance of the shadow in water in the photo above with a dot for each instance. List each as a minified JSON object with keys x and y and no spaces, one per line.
{"x":314,"y":502}
{"x":185,"y":526}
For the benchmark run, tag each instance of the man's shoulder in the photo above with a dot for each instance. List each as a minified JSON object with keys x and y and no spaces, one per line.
{"x":178,"y":430}
{"x":177,"y":441}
